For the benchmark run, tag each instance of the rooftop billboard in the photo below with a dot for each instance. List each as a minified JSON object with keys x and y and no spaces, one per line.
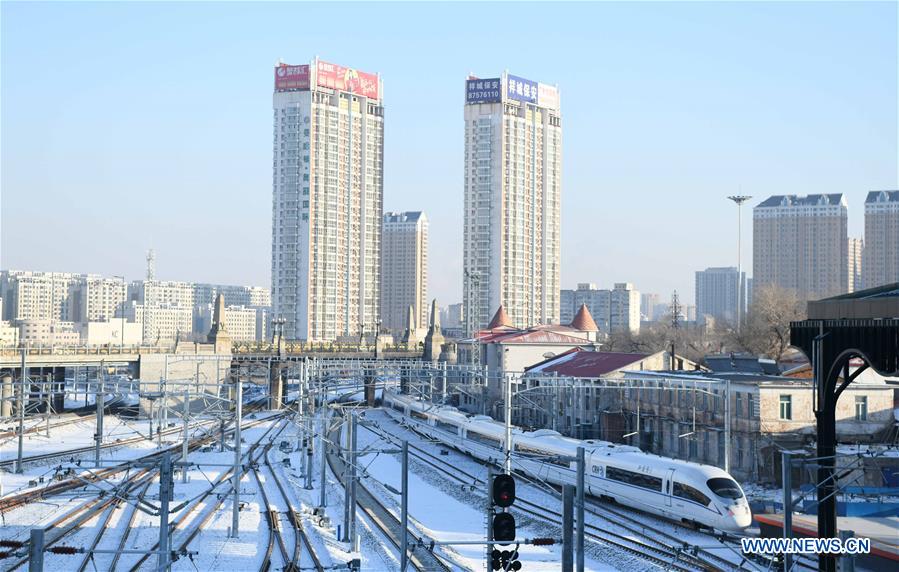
{"x":483,"y":90}
{"x":347,"y":79}
{"x":291,"y":77}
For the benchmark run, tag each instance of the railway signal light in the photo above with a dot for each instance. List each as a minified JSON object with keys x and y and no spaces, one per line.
{"x":503,"y":526}
{"x":503,"y":490}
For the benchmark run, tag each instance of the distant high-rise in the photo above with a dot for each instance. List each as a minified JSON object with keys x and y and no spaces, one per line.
{"x":716,"y":293}
{"x":800,"y":243}
{"x":648,"y":303}
{"x":513,"y":154}
{"x":404,"y":270}
{"x":612,"y":310}
{"x":881,"y":258}
{"x":328,"y":191}
{"x":855,"y":250}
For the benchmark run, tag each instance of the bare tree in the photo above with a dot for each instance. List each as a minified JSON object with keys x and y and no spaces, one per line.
{"x":766,"y":329}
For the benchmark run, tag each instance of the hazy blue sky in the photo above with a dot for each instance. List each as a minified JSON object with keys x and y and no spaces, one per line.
{"x":126,"y":126}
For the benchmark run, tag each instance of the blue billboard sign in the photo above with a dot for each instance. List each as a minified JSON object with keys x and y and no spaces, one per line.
{"x":521,"y":89}
{"x":483,"y":91}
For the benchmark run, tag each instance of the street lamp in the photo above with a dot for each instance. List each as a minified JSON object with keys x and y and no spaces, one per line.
{"x":739,"y":200}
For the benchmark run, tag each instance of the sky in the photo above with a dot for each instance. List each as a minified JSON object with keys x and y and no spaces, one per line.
{"x":129,"y":126}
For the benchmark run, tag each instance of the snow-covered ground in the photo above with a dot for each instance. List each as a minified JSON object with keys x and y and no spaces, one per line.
{"x":440,"y":509}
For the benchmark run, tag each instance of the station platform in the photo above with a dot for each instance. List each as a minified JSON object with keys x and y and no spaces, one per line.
{"x":883,"y":532}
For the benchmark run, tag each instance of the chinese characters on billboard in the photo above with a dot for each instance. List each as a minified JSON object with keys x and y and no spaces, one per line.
{"x":347,"y":79}
{"x":483,"y":91}
{"x":291,"y":77}
{"x":548,"y":96}
{"x":521,"y":89}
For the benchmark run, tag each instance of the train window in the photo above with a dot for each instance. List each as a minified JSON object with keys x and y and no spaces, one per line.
{"x":483,"y":439}
{"x":418,"y":415}
{"x":399,"y":407}
{"x":725,"y":488}
{"x":447,"y":426}
{"x":636,"y":479}
{"x":544,"y":456}
{"x":687,"y":492}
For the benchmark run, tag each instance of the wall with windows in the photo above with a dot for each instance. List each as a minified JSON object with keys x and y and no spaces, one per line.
{"x":863,"y":411}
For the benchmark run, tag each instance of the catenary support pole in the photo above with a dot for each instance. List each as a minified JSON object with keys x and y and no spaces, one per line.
{"x":404,"y":510}
{"x":507,"y":442}
{"x":353,"y":480}
{"x":36,"y":551}
{"x":184,"y":448}
{"x":580,"y":509}
{"x":322,"y":477}
{"x":786,"y":471}
{"x":20,"y":403}
{"x":166,"y":483}
{"x":238,"y":408}
{"x":727,"y":426}
{"x":567,"y":528}
{"x":101,"y":405}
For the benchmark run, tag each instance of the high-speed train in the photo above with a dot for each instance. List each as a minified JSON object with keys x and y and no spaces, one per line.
{"x":695,"y":494}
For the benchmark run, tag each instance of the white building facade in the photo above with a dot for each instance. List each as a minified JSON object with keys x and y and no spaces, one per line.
{"x":881,"y":256}
{"x":328,"y":149}
{"x":513,"y":170}
{"x":404,"y":270}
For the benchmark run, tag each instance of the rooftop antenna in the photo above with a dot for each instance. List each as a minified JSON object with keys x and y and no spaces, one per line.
{"x":675,"y":324}
{"x":151,"y":264}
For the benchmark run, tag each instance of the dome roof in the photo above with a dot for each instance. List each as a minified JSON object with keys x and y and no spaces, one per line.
{"x":583,"y":321}
{"x":500,"y":319}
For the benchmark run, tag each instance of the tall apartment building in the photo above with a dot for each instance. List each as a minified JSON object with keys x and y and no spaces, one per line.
{"x":800,"y":243}
{"x":612,"y":310}
{"x":404,"y":270}
{"x":716,"y":293}
{"x":328,"y":189}
{"x":648,"y":303}
{"x":881,"y":258}
{"x":855,"y":251}
{"x":513,"y":169}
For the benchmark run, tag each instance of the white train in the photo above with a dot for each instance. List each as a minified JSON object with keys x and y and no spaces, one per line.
{"x":695,"y":494}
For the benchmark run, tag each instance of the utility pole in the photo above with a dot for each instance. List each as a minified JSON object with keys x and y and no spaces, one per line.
{"x":166,"y":484}
{"x":787,"y":478}
{"x":404,"y":509}
{"x":567,"y":528}
{"x":21,"y":404}
{"x":238,"y":408}
{"x":580,"y":509}
{"x":675,"y":324}
{"x":36,"y":552}
{"x":739,"y":200}
{"x":507,"y":445}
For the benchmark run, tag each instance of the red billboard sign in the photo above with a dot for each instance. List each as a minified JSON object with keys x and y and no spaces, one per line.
{"x":291,"y":77}
{"x":347,"y":79}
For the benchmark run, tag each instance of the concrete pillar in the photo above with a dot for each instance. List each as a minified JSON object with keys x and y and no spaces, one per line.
{"x":276,"y":386}
{"x":59,"y":389}
{"x":6,"y":394}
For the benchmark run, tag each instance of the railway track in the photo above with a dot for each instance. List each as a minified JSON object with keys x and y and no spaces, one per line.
{"x":388,"y":523}
{"x":301,"y":539}
{"x":74,"y":520}
{"x":112,"y":444}
{"x":192,"y":528}
{"x":648,"y":544}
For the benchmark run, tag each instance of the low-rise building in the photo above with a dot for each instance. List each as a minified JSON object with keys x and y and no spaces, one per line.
{"x":48,"y":333}
{"x":114,"y":332}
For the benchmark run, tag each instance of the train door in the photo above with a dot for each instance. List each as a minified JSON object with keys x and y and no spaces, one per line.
{"x":669,"y":483}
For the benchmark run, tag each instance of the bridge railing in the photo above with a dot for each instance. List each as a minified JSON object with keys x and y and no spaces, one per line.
{"x":296,"y":347}
{"x":62,"y":350}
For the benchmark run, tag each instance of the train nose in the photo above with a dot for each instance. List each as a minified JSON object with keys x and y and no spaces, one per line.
{"x":740,"y":516}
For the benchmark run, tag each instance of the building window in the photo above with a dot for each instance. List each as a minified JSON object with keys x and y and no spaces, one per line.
{"x":861,"y":407}
{"x":786,"y":407}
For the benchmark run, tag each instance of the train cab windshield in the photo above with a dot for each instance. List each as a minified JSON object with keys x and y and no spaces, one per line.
{"x":725,"y":488}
